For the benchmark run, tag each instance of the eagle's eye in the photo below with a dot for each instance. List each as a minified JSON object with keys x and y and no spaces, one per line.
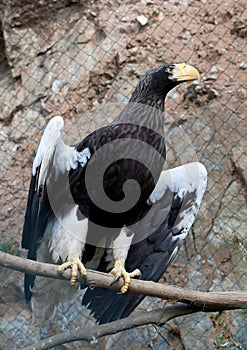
{"x":170,"y":68}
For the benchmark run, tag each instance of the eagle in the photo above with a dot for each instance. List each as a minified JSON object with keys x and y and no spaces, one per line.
{"x":98,"y":202}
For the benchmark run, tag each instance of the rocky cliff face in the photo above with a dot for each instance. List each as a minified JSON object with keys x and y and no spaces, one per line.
{"x":72,"y":58}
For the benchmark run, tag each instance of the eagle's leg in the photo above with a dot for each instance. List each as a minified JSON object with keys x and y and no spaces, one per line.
{"x":119,"y":271}
{"x":121,"y":245}
{"x":72,"y":234}
{"x":75,"y":264}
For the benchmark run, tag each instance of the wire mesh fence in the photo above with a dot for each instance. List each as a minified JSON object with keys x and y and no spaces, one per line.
{"x":73,"y":58}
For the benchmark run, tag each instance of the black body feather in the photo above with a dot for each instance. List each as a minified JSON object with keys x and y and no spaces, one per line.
{"x":118,"y":172}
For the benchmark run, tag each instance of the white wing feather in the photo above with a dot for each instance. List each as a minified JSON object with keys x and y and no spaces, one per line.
{"x":53,"y":151}
{"x":189,"y":182}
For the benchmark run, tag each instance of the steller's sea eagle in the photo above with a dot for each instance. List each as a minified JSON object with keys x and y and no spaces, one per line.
{"x":100,"y":192}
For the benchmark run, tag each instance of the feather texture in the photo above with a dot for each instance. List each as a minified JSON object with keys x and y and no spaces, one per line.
{"x":176,"y":199}
{"x":63,"y":212}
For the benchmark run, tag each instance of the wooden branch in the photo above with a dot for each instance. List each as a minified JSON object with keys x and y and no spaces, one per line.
{"x":92,"y":334}
{"x":206,"y":301}
{"x":190,"y":301}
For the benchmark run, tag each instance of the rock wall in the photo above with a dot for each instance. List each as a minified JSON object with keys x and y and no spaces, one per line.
{"x":81,"y":60}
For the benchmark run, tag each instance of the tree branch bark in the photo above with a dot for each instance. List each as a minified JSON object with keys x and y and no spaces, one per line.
{"x":189,"y":301}
{"x":92,"y":334}
{"x":206,"y":301}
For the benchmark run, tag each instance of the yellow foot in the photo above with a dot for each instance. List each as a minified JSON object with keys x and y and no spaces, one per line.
{"x":75,"y":265}
{"x":119,"y":271}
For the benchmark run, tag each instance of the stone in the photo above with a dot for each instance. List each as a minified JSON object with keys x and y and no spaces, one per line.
{"x":240,"y":160}
{"x":21,"y":124}
{"x":142,"y":20}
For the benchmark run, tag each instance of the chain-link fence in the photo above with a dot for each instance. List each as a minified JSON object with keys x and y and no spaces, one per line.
{"x":72,"y":58}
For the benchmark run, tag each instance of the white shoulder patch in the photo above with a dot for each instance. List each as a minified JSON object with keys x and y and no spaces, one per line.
{"x":67,"y":158}
{"x":80,"y":158}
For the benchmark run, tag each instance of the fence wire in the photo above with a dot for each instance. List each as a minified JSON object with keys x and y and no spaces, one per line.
{"x":73,"y":58}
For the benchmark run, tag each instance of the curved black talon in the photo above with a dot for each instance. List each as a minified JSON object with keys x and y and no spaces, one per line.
{"x":60,"y":273}
{"x":116,"y":278}
{"x":84,"y":280}
{"x":139,"y":277}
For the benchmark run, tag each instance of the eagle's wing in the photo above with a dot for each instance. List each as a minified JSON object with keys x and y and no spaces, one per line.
{"x":37,"y":212}
{"x":176,"y":201}
{"x":53,"y":161}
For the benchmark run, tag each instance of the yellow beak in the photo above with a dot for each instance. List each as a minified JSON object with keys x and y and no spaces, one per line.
{"x":184,"y":72}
